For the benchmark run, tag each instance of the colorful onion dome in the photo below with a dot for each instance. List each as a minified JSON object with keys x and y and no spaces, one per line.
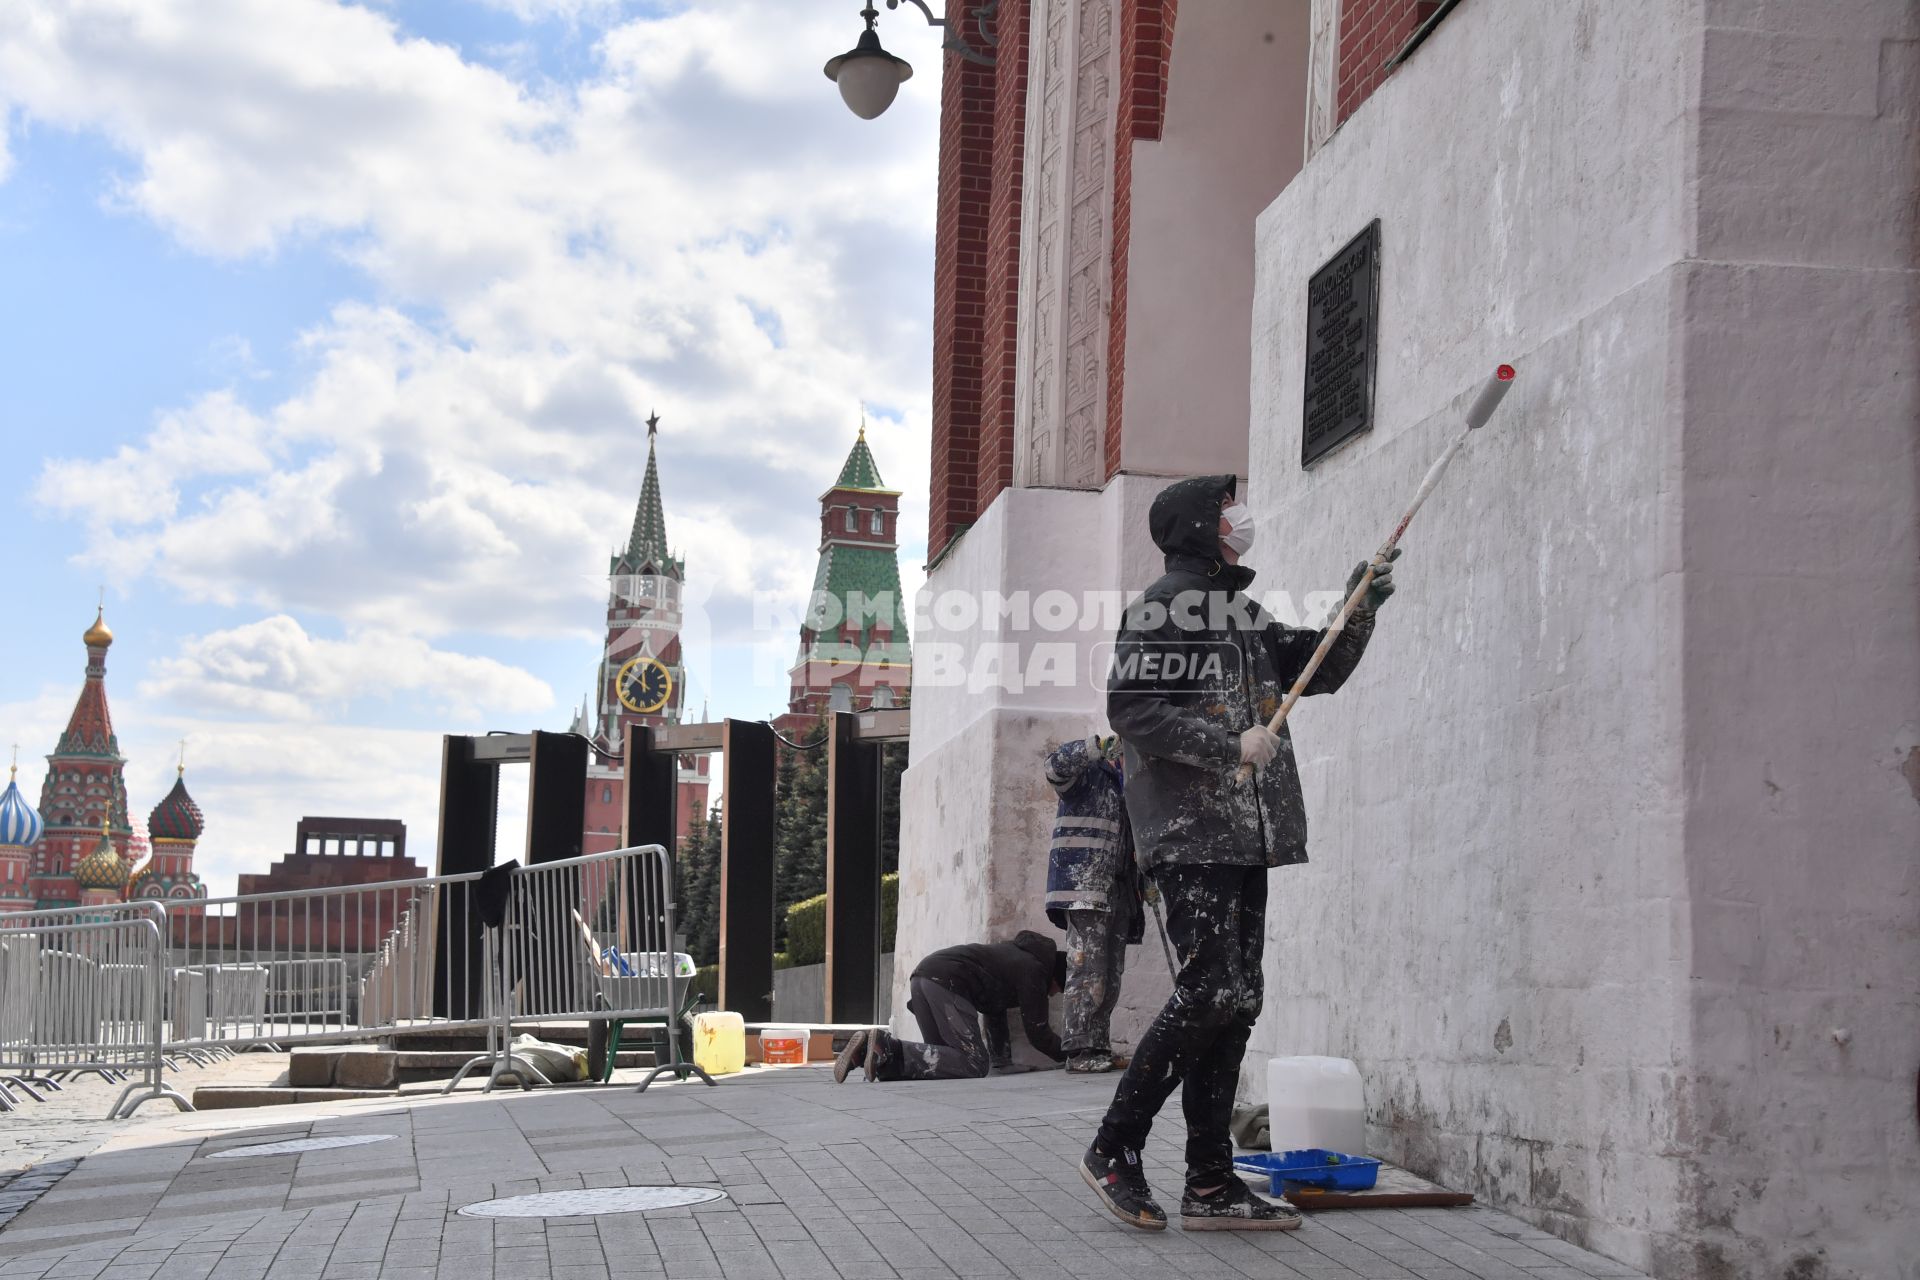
{"x":177,"y":817}
{"x":20,"y":823}
{"x":99,"y":635}
{"x":103,"y":868}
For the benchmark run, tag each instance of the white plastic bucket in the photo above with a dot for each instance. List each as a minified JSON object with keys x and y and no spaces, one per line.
{"x":1316,"y":1102}
{"x":784,"y":1046}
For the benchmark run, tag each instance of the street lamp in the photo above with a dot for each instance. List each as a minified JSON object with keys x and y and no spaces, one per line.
{"x":869,"y":77}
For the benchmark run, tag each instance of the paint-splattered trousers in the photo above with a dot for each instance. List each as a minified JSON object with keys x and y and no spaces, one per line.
{"x":1096,"y":960}
{"x":954,"y":1048}
{"x":1216,"y":918}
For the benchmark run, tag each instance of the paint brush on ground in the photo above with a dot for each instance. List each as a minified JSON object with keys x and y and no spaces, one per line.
{"x":1482,"y":409}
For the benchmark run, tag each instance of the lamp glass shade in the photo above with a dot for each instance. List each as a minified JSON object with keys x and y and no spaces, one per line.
{"x":868,"y":85}
{"x":869,"y":77}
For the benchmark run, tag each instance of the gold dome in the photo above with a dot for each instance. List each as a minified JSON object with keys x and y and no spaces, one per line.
{"x":104,"y":868}
{"x":99,"y":635}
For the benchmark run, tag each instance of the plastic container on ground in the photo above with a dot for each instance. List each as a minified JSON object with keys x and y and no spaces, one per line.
{"x":719,"y":1043}
{"x":1314,"y":1167}
{"x":784,"y":1046}
{"x":1316,"y":1103}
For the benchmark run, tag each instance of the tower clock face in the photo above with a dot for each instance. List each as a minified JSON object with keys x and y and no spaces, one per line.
{"x":644,"y":685}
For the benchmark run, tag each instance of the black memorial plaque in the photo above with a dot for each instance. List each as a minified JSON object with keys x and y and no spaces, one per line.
{"x":1343,"y":312}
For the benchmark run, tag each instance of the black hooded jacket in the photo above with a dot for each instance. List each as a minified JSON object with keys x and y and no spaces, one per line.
{"x":1195,"y":664}
{"x":994,"y":977}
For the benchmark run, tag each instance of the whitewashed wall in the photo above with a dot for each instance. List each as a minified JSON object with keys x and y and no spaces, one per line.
{"x":1613,"y":891}
{"x":976,"y":813}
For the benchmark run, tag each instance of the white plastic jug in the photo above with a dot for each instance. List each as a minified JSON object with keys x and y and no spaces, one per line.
{"x":1316,"y":1102}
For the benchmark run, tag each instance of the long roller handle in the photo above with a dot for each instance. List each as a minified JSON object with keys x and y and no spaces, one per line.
{"x":1482,"y":408}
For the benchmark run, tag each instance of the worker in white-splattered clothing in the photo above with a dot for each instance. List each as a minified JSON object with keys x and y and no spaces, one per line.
{"x":1093,"y":892}
{"x":1198,"y":673}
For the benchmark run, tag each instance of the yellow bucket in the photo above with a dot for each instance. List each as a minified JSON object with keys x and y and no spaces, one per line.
{"x":719,"y":1043}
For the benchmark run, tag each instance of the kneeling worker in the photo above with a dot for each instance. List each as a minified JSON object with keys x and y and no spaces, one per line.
{"x":952,"y":990}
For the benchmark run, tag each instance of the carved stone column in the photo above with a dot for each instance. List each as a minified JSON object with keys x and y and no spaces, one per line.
{"x":1066,"y":235}
{"x":1323,"y":73}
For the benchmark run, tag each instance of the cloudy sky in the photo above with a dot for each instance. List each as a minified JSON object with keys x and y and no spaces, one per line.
{"x":329,"y":333}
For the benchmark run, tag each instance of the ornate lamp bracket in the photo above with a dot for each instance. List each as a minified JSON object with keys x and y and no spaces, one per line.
{"x":981,"y":17}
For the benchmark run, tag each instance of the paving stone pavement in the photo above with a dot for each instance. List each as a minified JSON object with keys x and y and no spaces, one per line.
{"x":72,"y":1121}
{"x":926,"y":1179}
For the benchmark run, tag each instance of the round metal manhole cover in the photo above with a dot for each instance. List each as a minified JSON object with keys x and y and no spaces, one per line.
{"x":296,"y":1146}
{"x":592,"y":1202}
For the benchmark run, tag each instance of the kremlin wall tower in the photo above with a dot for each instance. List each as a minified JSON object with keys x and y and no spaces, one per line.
{"x":78,"y":847}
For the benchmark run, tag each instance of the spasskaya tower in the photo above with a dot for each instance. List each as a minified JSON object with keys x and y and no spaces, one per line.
{"x":642,"y":679}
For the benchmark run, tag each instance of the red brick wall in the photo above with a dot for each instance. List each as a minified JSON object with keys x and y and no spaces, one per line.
{"x":1146,"y":52}
{"x":976,"y":279}
{"x":1371,"y":31}
{"x":1003,"y":252}
{"x":959,"y":295}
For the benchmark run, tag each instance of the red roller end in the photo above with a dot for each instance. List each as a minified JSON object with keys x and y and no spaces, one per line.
{"x":1490,"y":396}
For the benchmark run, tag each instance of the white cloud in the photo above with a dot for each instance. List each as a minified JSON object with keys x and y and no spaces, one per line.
{"x":254,"y":779}
{"x":567,"y":10}
{"x":214,"y":437}
{"x":551,"y":263}
{"x":274,"y":668}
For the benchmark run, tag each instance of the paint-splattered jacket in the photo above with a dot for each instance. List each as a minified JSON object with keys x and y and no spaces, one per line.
{"x":1195,"y":664}
{"x":1090,"y":866}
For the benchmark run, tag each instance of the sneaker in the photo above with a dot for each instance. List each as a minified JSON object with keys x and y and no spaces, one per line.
{"x":1121,"y":1184}
{"x":880,"y":1050}
{"x":1090,"y":1064}
{"x":1234,"y":1208}
{"x":855,"y":1052}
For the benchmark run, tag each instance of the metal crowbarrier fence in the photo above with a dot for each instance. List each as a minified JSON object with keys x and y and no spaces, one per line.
{"x":582,"y":939}
{"x":80,"y":992}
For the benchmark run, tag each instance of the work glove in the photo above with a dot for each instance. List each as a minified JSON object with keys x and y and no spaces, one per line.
{"x":1107,"y":748}
{"x":1379,"y":589}
{"x":1258,"y":745}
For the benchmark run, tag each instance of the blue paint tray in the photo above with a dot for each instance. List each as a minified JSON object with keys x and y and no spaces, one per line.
{"x":1314,"y":1167}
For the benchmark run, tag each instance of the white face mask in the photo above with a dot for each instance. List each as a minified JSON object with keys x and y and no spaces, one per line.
{"x":1239,"y":535}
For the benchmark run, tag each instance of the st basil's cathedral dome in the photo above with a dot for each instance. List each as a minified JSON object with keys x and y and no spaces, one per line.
{"x":177,"y":817}
{"x":20,"y":824}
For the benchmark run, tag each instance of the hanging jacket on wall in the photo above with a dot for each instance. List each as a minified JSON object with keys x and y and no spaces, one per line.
{"x":1090,"y":866}
{"x":1196,"y":663}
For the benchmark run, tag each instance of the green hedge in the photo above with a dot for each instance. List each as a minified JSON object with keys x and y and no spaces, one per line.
{"x":706,"y":980}
{"x":807,"y":924}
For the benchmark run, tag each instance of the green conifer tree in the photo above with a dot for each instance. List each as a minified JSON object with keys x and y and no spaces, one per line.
{"x":801,"y":833}
{"x":699,"y":898}
{"x":893,"y":763}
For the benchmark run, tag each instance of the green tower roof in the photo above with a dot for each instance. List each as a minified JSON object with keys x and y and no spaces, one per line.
{"x":864,"y":583}
{"x":649,"y":538}
{"x":647,"y":544}
{"x":860,"y":471}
